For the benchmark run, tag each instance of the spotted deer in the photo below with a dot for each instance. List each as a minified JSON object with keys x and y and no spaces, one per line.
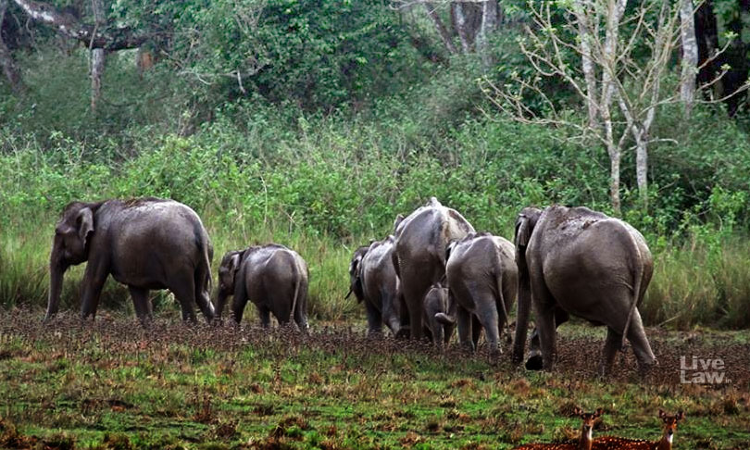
{"x":584,"y":442}
{"x":665,"y":443}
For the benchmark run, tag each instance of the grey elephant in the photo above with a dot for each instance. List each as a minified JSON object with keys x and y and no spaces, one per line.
{"x":373,"y":281}
{"x":146,"y":243}
{"x":274,"y":277}
{"x":582,"y":262}
{"x":419,"y":256}
{"x":483,"y":279}
{"x":439,"y":312}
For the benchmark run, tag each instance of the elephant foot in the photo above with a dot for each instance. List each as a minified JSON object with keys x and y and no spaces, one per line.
{"x":644,"y":369}
{"x":535,"y":361}
{"x":403,"y":333}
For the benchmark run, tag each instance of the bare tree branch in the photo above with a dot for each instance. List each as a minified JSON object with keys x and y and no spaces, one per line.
{"x":108,"y":38}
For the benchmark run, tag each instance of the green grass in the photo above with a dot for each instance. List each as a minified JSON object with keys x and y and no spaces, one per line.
{"x":110,"y":386}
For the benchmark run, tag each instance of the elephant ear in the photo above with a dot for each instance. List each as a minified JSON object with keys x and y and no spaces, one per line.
{"x":397,"y":222}
{"x":234,"y":263}
{"x":85,"y":224}
{"x":449,"y":249}
{"x":523,"y":232}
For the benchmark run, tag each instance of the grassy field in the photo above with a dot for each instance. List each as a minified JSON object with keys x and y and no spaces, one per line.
{"x":113,"y":385}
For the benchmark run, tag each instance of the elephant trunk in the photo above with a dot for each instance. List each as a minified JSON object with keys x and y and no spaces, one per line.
{"x":445,"y":319}
{"x":220,"y":302}
{"x":56,"y":271}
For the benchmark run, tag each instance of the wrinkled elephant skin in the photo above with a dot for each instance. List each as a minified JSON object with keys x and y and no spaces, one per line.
{"x":144,"y":243}
{"x":483,"y":280}
{"x":373,"y":281}
{"x":272,"y":276}
{"x":419,"y":259}
{"x":581,"y":262}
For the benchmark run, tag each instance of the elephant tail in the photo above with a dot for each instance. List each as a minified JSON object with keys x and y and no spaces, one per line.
{"x":203,"y":273}
{"x":636,"y":289}
{"x":297,"y":276}
{"x":499,"y":287}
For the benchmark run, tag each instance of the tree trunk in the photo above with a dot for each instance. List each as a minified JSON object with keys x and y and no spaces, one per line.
{"x":616,"y":8}
{"x":614,"y":179}
{"x":97,"y":56}
{"x":10,"y":69}
{"x":689,"y":55}
{"x":442,"y":31}
{"x":489,"y":24}
{"x":641,"y":165}
{"x":589,"y":71}
{"x":459,"y":23}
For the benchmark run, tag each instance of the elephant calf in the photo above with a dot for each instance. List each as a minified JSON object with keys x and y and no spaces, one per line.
{"x":483,"y":279}
{"x":373,"y":281}
{"x":274,"y":277}
{"x":146,"y":243}
{"x":439,"y":312}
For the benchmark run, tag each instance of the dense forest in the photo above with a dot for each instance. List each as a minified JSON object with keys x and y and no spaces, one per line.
{"x":314,"y":122}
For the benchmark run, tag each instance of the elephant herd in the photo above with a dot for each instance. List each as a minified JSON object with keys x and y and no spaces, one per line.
{"x":434,"y":274}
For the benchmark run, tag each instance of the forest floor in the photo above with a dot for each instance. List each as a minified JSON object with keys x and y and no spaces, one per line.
{"x":113,"y":385}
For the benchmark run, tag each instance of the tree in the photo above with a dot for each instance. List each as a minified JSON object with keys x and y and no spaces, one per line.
{"x":471,"y":21}
{"x":689,"y":54}
{"x":10,"y":69}
{"x":97,"y":55}
{"x":632,"y":56}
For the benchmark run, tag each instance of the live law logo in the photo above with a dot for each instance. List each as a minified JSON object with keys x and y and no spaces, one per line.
{"x":702,"y":371}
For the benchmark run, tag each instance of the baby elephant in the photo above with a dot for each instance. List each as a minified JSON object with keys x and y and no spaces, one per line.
{"x":439,"y":313}
{"x":274,"y":277}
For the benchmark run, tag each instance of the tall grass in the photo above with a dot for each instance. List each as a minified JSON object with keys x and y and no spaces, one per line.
{"x":697,"y":283}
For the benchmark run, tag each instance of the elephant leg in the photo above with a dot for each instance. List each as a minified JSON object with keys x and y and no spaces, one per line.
{"x":300,"y":312}
{"x":92,"y":284}
{"x":282,"y":310}
{"x":611,"y":345}
{"x":476,"y":330}
{"x":546,"y":326}
{"x":185,"y":293}
{"x":535,"y":352}
{"x":374,"y":319}
{"x":141,"y":304}
{"x":464,"y":328}
{"x":404,"y":330}
{"x":265,"y":316}
{"x":239,"y":301}
{"x":641,"y":347}
{"x":389,"y":316}
{"x":202,"y":298}
{"x":487,"y":316}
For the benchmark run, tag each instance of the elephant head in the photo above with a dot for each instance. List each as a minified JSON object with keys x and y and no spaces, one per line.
{"x":70,"y":247}
{"x":230,"y":265}
{"x":355,"y":274}
{"x":525,"y":223}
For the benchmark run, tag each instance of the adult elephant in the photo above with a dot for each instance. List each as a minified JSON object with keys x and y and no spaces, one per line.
{"x":582,"y":262}
{"x":146,"y":243}
{"x":419,"y":258}
{"x":272,"y":276}
{"x":374,"y":282}
{"x":483,"y":280}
